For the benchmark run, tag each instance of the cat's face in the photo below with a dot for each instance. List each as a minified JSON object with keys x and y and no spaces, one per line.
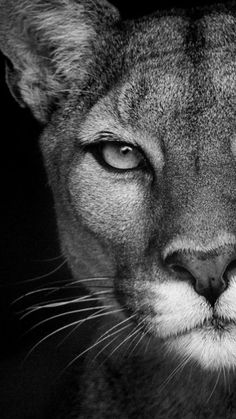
{"x":141,"y":160}
{"x":152,"y":178}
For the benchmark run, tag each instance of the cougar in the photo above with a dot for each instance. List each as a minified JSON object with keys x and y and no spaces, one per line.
{"x":139,"y":144}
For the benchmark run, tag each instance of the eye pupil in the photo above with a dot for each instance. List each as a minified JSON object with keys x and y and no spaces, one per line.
{"x":125,"y":150}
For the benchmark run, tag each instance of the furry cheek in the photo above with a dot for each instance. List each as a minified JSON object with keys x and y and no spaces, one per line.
{"x":110,"y":207}
{"x":178,"y":308}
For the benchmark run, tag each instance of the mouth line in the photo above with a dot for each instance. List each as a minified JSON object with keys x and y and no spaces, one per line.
{"x":216,"y":324}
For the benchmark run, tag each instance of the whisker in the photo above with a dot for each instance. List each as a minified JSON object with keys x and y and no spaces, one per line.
{"x":58,"y":303}
{"x":104,"y":334}
{"x":52,"y":290}
{"x":42,"y":276}
{"x":130,"y":343}
{"x":92,"y":346}
{"x":61,"y":302}
{"x":92,"y":316}
{"x":125,"y":340}
{"x":103,"y":348}
{"x":148,"y":342}
{"x":137,"y":330}
{"x":64,"y":281}
{"x":47,"y":274}
{"x":142,"y":335}
{"x":35,"y":308}
{"x":117,"y":325}
{"x":226,"y":380}
{"x":63,"y":328}
{"x":137,"y":343}
{"x":212,"y":392}
{"x":56,"y":316}
{"x":109,"y":343}
{"x":32,"y":293}
{"x":49,"y":259}
{"x":180,"y":366}
{"x":99,"y":278}
{"x":101,"y":292}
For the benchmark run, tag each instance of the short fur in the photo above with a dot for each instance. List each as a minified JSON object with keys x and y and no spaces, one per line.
{"x":166,"y":84}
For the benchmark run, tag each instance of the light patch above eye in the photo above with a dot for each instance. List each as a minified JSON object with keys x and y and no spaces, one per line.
{"x":121,"y":156}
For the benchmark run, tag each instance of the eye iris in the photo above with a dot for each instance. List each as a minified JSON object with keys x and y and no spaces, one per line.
{"x":121,"y":156}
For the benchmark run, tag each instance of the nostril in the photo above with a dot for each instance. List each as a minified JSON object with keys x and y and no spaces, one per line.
{"x":179,"y":269}
{"x":174,"y":263}
{"x":230,"y":270}
{"x":182,"y":272}
{"x":208,"y":272}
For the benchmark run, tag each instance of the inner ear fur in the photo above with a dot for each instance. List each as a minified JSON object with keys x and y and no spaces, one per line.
{"x":51,"y":45}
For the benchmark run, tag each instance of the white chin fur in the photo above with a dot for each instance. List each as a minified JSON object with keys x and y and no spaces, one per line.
{"x":181,"y":321}
{"x":208,"y":348}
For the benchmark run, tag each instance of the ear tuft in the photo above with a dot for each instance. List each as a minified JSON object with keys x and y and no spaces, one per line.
{"x":52,"y":44}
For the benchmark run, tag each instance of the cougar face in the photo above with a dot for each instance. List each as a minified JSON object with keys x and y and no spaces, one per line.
{"x":141,"y":155}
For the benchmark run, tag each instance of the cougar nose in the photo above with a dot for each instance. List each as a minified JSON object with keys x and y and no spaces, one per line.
{"x":208,"y":272}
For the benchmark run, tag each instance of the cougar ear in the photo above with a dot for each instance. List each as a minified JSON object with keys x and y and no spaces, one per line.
{"x":51,"y":44}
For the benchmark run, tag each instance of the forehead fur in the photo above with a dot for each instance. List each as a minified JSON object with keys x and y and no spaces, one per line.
{"x":179,"y":64}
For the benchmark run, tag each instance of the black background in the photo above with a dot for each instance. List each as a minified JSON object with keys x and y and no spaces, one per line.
{"x":29,"y":238}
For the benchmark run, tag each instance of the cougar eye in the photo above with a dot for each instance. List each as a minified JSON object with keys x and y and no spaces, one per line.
{"x":120,"y":156}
